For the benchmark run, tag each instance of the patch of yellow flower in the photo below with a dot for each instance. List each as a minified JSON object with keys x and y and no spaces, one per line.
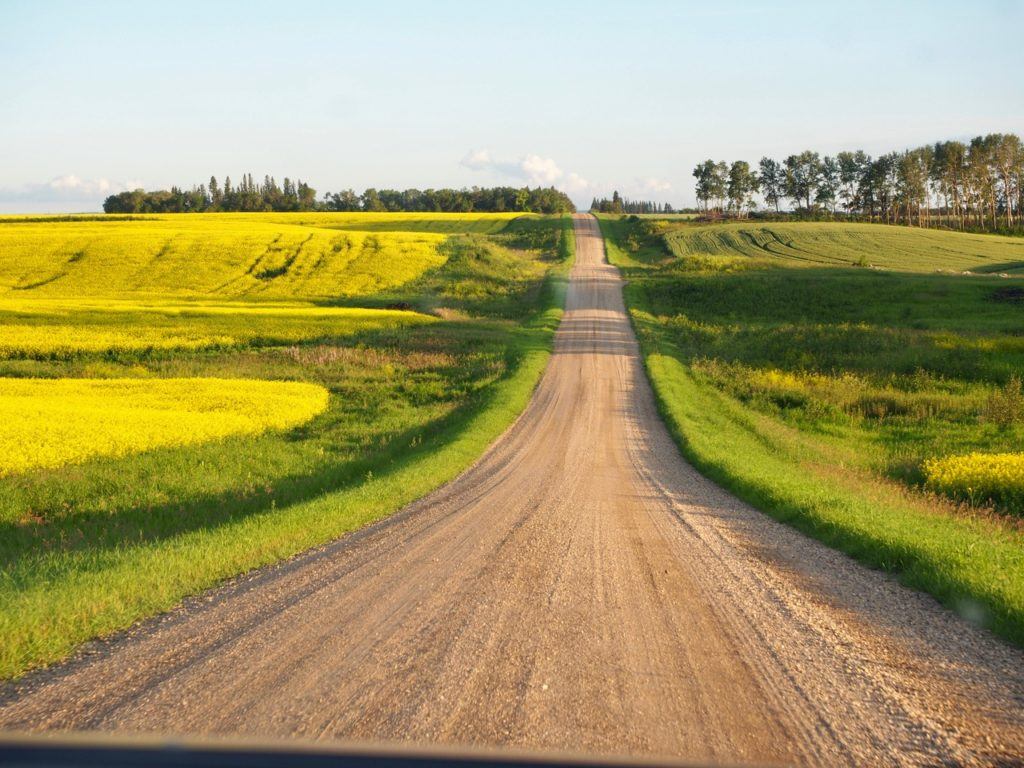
{"x":63,"y":327}
{"x":61,"y":340}
{"x":186,"y":307}
{"x":46,"y":423}
{"x":772,"y":378}
{"x":978,"y":477}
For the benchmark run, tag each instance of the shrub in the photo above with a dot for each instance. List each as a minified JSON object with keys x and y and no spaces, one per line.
{"x":1005,"y":406}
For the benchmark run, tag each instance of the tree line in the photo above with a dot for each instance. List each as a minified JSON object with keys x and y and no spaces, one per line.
{"x":481,"y":199}
{"x":247,"y":195}
{"x":978,"y":184}
{"x":250,"y":195}
{"x":618,"y":204}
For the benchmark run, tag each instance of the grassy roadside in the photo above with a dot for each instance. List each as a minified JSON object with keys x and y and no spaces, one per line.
{"x":85,"y":574}
{"x":805,"y":464}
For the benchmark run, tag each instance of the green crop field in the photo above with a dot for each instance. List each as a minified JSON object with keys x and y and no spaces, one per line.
{"x":814,"y":244}
{"x":188,"y":397}
{"x":861,"y":382}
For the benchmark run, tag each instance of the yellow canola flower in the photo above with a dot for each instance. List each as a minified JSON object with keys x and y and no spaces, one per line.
{"x":63,"y":327}
{"x":771,"y":378}
{"x":16,"y":339}
{"x":186,"y":307}
{"x":200,"y":255}
{"x":978,"y":476}
{"x":46,"y":423}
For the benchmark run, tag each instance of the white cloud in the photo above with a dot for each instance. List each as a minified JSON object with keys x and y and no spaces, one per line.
{"x":534,"y":170}
{"x":575,"y":183}
{"x":542,"y":171}
{"x":65,"y":182}
{"x":67,"y":192}
{"x":73,"y":185}
{"x":653,"y":185}
{"x":477,"y":159}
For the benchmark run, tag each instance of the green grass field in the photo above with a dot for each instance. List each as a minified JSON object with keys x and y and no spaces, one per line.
{"x":815,"y":244}
{"x":442,"y":358}
{"x":819,"y":390}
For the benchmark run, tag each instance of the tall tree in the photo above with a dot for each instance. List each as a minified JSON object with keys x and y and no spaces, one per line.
{"x":981,"y":184}
{"x":772,"y":180}
{"x":912,"y":184}
{"x":371,"y":201}
{"x":828,"y":183}
{"x":852,"y":167}
{"x":802,"y":177}
{"x":1007,"y":159}
{"x":704,"y":173}
{"x":215,"y":193}
{"x":741,"y":185}
{"x":948,"y":170}
{"x":720,"y":184}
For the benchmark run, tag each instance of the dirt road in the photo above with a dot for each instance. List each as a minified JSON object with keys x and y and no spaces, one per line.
{"x":580,"y":588}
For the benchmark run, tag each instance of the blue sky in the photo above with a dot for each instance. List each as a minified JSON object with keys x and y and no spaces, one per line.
{"x":103,"y":95}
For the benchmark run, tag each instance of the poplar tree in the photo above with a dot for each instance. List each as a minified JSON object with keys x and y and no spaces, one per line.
{"x":772,"y":180}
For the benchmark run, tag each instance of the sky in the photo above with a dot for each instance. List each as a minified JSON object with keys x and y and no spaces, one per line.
{"x":102,"y":96}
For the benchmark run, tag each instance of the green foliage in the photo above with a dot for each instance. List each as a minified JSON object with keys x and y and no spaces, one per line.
{"x":712,"y":185}
{"x":1005,"y":406}
{"x":742,"y":185}
{"x":619,"y":205}
{"x":252,"y":196}
{"x":803,"y":173}
{"x":979,"y":186}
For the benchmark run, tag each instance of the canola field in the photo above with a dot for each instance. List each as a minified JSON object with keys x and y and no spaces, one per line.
{"x":64,"y":328}
{"x":81,"y":287}
{"x":46,"y":423}
{"x":251,"y":256}
{"x":92,"y":284}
